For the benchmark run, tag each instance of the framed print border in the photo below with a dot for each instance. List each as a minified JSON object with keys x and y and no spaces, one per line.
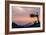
{"x":7,"y":16}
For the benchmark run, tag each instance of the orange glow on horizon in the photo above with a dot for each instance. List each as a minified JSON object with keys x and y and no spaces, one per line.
{"x":24,"y":19}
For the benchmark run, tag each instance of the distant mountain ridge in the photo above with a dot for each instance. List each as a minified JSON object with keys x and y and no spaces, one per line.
{"x":14,"y":25}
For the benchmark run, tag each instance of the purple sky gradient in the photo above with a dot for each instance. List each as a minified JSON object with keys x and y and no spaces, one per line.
{"x":24,"y":11}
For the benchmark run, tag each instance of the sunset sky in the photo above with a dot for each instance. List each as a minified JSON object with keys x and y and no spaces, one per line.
{"x":20,"y":15}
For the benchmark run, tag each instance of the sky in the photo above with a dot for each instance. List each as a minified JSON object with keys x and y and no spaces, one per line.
{"x":20,"y":15}
{"x":25,"y":11}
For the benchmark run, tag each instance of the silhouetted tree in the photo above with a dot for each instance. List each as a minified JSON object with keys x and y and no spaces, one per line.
{"x":35,"y":15}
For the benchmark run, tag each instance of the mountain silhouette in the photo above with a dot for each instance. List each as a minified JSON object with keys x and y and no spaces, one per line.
{"x":14,"y":25}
